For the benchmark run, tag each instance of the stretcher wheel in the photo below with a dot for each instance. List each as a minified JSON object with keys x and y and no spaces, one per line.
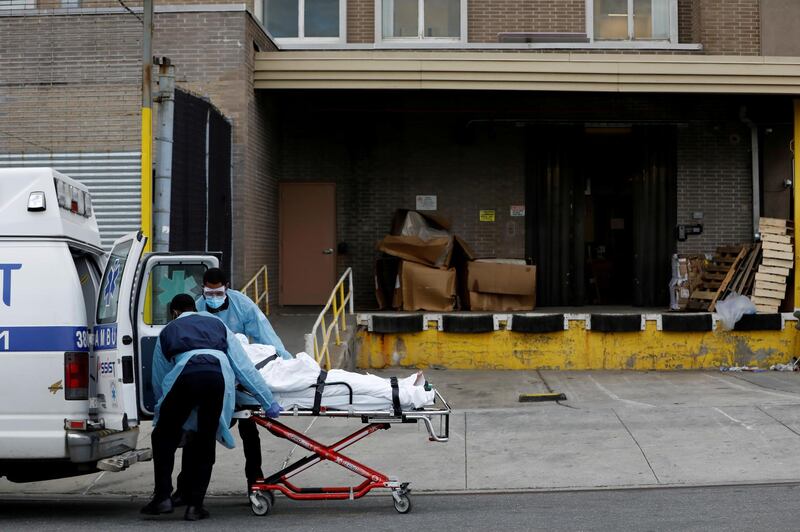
{"x":403,"y":506}
{"x":261,"y":503}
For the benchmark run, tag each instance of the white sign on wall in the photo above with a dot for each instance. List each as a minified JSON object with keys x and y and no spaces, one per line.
{"x":426,"y":203}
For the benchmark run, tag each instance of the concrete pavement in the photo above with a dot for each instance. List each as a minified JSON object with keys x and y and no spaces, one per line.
{"x":616,"y":430}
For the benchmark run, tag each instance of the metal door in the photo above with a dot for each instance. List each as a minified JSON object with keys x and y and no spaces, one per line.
{"x":161,"y":277}
{"x":113,"y":332}
{"x":308,"y":242}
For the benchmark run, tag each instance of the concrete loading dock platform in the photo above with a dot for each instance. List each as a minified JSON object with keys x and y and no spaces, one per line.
{"x":573,"y":341}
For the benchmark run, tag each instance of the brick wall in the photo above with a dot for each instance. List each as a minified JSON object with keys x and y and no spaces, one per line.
{"x":730,"y":27}
{"x":360,"y":21}
{"x":59,"y":92}
{"x":72,"y":84}
{"x":487,"y":18}
{"x":256,"y":219}
{"x":714,"y":177}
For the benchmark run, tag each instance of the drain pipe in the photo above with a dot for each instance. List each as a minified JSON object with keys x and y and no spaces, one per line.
{"x":162,"y":192}
{"x":754,"y":153}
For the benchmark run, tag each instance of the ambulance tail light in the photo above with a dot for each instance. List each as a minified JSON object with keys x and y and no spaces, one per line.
{"x":76,"y":376}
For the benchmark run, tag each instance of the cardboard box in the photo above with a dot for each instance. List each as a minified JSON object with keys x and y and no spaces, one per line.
{"x":687,"y":274}
{"x":425,"y":288}
{"x":501,"y":286}
{"x":435,"y":252}
{"x":434,"y":221}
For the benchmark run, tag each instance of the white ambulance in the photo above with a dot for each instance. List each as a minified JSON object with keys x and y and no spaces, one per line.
{"x":78,"y":327}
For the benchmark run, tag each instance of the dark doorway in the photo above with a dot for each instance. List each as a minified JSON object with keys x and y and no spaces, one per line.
{"x":608,"y":230}
{"x":602,"y":204}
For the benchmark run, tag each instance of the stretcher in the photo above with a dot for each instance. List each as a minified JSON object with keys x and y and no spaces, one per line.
{"x":435,"y":418}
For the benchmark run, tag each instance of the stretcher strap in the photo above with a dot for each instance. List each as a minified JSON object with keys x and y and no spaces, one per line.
{"x":266,"y":361}
{"x":395,"y":396}
{"x":320,"y":387}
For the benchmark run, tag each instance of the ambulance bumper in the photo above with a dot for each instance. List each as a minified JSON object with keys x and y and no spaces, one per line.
{"x":91,"y":446}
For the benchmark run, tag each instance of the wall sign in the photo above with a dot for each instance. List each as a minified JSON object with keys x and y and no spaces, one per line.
{"x":426,"y":203}
{"x":487,"y":215}
{"x":517,"y":210}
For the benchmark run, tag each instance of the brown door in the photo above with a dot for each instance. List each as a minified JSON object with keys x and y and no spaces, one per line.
{"x":308,"y":242}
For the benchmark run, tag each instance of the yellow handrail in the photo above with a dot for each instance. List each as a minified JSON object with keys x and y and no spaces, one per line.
{"x":339,"y":304}
{"x":260,"y":294}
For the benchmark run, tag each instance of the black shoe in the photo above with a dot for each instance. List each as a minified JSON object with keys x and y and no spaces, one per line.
{"x":178,"y":500}
{"x":155,"y":507}
{"x":195,"y":513}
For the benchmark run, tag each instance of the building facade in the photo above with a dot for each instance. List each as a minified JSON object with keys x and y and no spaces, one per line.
{"x":591,"y":130}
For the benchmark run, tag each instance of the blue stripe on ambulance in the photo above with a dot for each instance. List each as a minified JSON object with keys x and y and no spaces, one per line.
{"x":53,"y":338}
{"x":105,"y":337}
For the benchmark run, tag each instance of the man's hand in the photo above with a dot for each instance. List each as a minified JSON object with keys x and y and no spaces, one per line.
{"x":274,"y":410}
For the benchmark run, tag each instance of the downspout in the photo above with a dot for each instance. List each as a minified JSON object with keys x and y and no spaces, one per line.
{"x":164,"y":140}
{"x":754,"y":154}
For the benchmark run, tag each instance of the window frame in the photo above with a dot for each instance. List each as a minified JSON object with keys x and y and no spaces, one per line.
{"x":260,"y":14}
{"x":8,"y":6}
{"x":630,"y":41}
{"x":421,"y":38}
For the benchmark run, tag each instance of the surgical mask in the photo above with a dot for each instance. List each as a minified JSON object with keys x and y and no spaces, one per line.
{"x":215,"y":302}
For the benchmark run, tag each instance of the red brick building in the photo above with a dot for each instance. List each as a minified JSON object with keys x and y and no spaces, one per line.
{"x":612,"y":122}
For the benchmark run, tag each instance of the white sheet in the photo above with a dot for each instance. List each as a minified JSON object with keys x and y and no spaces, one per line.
{"x":291,"y":383}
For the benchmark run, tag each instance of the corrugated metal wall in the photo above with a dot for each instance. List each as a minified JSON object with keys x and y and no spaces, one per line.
{"x":114,"y":180}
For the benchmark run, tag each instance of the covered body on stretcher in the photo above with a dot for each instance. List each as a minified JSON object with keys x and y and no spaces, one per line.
{"x":295,"y":383}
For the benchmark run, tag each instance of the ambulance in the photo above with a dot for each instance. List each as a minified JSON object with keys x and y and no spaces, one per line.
{"x":78,"y":326}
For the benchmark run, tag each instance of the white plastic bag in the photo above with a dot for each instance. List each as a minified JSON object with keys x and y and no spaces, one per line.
{"x":733,"y":308}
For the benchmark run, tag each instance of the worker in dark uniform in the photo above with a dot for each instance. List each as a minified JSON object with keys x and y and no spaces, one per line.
{"x":196,"y":364}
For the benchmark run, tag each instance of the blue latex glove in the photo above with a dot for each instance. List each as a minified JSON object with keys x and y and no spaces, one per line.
{"x":274,"y":410}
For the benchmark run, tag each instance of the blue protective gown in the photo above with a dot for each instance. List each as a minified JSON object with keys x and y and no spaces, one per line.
{"x":244,"y":317}
{"x":235,"y":366}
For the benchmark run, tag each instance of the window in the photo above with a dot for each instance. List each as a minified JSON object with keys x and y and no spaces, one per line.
{"x":112,"y":279}
{"x":628,"y":20}
{"x":305,"y":19}
{"x":11,"y":5}
{"x":168,"y":280}
{"x":422,"y":19}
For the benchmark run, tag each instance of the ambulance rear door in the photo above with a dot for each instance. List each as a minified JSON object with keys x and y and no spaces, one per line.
{"x":161,"y":277}
{"x":113,"y":336}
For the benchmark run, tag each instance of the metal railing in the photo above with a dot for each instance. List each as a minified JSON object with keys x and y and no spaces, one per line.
{"x":260,"y":292}
{"x":319,"y":340}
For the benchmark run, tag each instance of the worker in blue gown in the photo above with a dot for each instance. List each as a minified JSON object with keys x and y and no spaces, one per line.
{"x":241,"y":315}
{"x":197,"y":362}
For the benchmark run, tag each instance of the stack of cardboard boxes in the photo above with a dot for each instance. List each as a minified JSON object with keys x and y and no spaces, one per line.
{"x":426,"y":267}
{"x":687,"y":274}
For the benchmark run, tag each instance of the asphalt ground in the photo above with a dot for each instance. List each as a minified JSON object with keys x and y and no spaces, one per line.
{"x":746,"y":507}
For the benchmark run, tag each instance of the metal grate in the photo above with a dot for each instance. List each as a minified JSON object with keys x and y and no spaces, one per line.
{"x":113,"y":180}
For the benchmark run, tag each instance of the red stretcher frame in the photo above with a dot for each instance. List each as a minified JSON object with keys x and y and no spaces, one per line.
{"x":373,"y":479}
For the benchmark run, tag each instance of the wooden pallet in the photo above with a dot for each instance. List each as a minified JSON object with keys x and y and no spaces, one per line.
{"x":777,"y":260}
{"x":718,"y":276}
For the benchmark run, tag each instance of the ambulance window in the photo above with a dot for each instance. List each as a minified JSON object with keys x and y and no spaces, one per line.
{"x":112,"y":279}
{"x":165,"y":282}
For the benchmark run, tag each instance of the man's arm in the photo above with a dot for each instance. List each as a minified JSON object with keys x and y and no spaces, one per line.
{"x":258,"y":327}
{"x":246,"y":373}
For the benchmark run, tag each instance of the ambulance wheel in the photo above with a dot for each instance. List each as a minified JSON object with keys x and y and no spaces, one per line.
{"x":262,"y":504}
{"x":403,"y":506}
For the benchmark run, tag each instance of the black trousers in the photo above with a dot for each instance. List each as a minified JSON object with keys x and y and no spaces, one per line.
{"x":251,"y":441}
{"x":204,"y":391}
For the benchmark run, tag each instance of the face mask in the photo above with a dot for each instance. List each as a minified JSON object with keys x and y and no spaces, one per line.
{"x":215,"y":302}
